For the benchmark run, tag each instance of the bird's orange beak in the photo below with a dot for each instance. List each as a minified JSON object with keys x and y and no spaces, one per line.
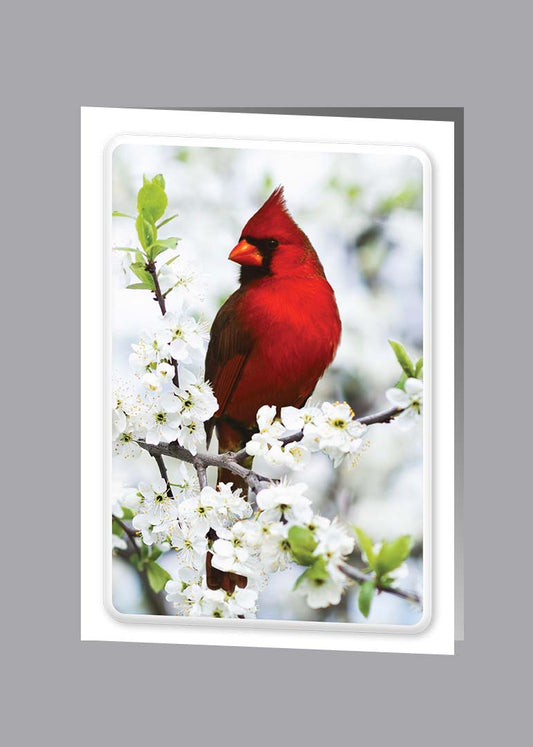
{"x":246,"y":254}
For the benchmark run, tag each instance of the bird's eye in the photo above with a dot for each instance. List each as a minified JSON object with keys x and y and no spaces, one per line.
{"x":272,"y":243}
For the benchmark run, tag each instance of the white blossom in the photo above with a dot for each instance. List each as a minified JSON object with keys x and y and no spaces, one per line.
{"x":295,"y":419}
{"x":187,"y":336}
{"x":242,"y":603}
{"x":276,"y":551}
{"x":198,"y":403}
{"x":269,"y":432}
{"x":410,"y":401}
{"x":157,"y":511}
{"x":294,"y":455}
{"x":204,"y":602}
{"x":201,"y":511}
{"x":151,"y":382}
{"x":190,"y":543}
{"x":126,"y":261}
{"x":167,"y":278}
{"x":176,"y":587}
{"x":150,"y":350}
{"x":181,"y":276}
{"x":334,"y":541}
{"x":284,"y":501}
{"x":335,"y":432}
{"x":119,"y":422}
{"x":192,"y":436}
{"x":230,"y":553}
{"x":162,"y":420}
{"x":185,"y":480}
{"x":164,"y":371}
{"x":125,"y":446}
{"x":233,"y":506}
{"x":321,"y":592}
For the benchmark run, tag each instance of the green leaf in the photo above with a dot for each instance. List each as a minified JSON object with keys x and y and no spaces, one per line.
{"x":419,"y":368}
{"x":158,"y":247}
{"x":166,"y":243}
{"x":142,"y":273}
{"x":116,"y":214}
{"x":145,"y":551}
{"x":392,"y":554}
{"x":127,"y":514}
{"x":400,"y":384}
{"x":139,"y":286}
{"x":402,"y":358}
{"x":123,"y":249}
{"x":302,"y":542}
{"x":167,"y":220}
{"x":319,"y":569}
{"x":366,"y":594}
{"x":155,"y":250}
{"x":366,"y":545}
{"x":146,"y":231}
{"x":157,"y":576}
{"x":316,"y":572}
{"x":159,"y":179}
{"x":156,"y":552}
{"x":136,"y":562}
{"x":152,"y":201}
{"x":117,"y":529}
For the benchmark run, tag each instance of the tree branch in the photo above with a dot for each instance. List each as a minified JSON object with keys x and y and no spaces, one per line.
{"x":361,"y":577}
{"x":224,"y":461}
{"x":160,"y":298}
{"x":385,"y":416}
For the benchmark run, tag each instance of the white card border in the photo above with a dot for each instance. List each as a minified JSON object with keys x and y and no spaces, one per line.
{"x":104,"y":129}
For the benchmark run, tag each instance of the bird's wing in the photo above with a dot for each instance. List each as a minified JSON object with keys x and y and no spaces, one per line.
{"x":229,"y":347}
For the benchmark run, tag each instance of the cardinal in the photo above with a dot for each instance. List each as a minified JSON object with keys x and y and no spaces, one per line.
{"x":273,"y":338}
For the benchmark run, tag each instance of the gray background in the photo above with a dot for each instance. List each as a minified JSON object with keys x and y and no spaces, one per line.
{"x":58,"y":56}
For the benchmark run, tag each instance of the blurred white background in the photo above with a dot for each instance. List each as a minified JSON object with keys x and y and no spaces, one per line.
{"x":363,"y":215}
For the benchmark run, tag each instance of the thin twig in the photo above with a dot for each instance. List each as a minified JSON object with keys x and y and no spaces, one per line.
{"x":201,"y":472}
{"x":160,"y":298}
{"x":130,"y":533}
{"x":361,"y":577}
{"x":385,"y":416}
{"x":164,"y":474}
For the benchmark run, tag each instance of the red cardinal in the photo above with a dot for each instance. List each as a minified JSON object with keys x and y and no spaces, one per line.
{"x":273,"y":338}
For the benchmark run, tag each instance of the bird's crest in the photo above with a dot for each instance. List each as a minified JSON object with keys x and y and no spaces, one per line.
{"x":272,"y":220}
